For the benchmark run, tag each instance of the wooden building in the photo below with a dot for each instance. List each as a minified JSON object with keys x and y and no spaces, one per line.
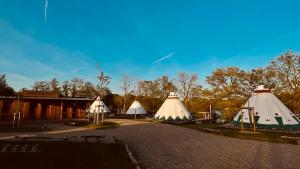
{"x":36,"y":105}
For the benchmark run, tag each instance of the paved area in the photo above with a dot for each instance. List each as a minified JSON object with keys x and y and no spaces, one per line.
{"x":166,"y":146}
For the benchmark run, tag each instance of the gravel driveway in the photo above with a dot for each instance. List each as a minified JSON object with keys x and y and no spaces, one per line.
{"x":166,"y":146}
{"x":163,"y":146}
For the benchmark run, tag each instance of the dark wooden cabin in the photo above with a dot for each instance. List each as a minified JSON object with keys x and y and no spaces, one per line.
{"x":38,"y":105}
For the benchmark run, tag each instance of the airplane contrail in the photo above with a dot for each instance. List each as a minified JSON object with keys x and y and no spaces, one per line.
{"x":46,"y":6}
{"x":164,"y":58}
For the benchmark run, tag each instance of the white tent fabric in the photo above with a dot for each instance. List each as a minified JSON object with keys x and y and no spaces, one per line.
{"x":267,"y":107}
{"x":173,"y":108}
{"x":98,"y":106}
{"x":136,"y":108}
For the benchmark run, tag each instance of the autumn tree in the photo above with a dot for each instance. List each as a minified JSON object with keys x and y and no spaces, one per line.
{"x":166,"y":85}
{"x":88,"y":90}
{"x":225,"y":87}
{"x":151,"y":89}
{"x":249,"y":80}
{"x":287,"y":71}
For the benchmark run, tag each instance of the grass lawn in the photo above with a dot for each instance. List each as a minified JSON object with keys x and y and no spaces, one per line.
{"x":106,"y":124}
{"x":233,"y":132}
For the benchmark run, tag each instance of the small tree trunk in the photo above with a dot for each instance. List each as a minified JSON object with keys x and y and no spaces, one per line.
{"x":124,"y":106}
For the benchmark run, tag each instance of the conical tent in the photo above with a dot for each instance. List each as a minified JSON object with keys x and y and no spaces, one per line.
{"x":269,"y":111}
{"x":98,"y":106}
{"x":172,"y":109}
{"x":136,"y":108}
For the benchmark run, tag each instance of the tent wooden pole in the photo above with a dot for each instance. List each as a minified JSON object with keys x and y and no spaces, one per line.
{"x":242,"y":116}
{"x":254,"y":126}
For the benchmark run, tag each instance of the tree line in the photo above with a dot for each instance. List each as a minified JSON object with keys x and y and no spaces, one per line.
{"x":227,"y":88}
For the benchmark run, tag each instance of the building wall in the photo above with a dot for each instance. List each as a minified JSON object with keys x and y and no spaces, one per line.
{"x":42,"y":109}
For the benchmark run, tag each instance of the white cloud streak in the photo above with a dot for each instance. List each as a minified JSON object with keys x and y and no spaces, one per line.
{"x":46,"y":7}
{"x":164,"y":58}
{"x":25,"y":60}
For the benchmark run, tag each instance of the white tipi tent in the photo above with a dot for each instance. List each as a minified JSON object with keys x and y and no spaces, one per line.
{"x":172,"y":109}
{"x":98,"y":106}
{"x":136,"y":108}
{"x":269,"y":111}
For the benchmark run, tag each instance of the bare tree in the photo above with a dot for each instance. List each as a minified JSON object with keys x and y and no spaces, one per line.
{"x":187,"y":83}
{"x":54,"y":84}
{"x":66,"y":88}
{"x":126,"y":86}
{"x":76,"y":85}
{"x":41,"y":86}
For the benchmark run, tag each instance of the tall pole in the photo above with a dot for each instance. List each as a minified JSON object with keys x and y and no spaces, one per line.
{"x":61,"y":110}
{"x":210,"y":112}
{"x":94,"y":117}
{"x":254,"y":126}
{"x":19,"y":118}
{"x":18,"y":111}
{"x":124,"y":106}
{"x":249,"y":113}
{"x":102,"y":113}
{"x":242,"y":116}
{"x":97,"y":114}
{"x":14,"y":120}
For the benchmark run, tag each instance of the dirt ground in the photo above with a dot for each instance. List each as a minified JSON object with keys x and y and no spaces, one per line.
{"x":166,"y":146}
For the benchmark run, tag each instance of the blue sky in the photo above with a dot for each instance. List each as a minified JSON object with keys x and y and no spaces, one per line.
{"x":144,"y":39}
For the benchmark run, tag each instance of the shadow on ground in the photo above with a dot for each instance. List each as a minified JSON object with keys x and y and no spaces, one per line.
{"x":63,"y":155}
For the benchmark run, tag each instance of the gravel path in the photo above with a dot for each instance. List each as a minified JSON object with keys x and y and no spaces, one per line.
{"x":166,"y":146}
